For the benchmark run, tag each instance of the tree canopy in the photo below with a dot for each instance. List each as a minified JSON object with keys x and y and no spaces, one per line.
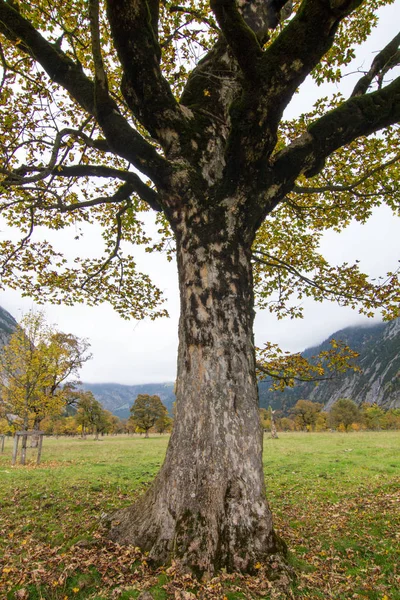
{"x":90,"y":414}
{"x":147,"y":411}
{"x":343,"y":412}
{"x":89,"y":137}
{"x":36,"y":368}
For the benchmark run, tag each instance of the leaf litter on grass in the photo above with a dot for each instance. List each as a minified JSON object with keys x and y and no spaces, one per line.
{"x":343,"y":542}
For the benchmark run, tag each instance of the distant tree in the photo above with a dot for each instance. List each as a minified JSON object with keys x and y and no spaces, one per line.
{"x":34,"y":367}
{"x":343,"y":412}
{"x":114,"y":424}
{"x":90,"y":415}
{"x":306,"y":413}
{"x":321,"y":422}
{"x":146,"y":410}
{"x":264,"y":419}
{"x":286,"y":424}
{"x":393,"y":418}
{"x":373,"y":416}
{"x":5,"y":426}
{"x":163,"y":423}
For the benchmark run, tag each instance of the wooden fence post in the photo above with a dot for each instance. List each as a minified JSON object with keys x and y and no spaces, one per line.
{"x":25,"y":435}
{"x":15,"y":450}
{"x":39,"y":452}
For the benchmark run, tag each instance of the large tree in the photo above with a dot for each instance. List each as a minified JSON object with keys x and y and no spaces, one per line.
{"x":109,"y":113}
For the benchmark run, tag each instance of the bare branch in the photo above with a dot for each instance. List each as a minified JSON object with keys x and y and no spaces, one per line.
{"x":387,"y":58}
{"x":358,"y":116}
{"x":351,"y":186}
{"x":114,"y":253}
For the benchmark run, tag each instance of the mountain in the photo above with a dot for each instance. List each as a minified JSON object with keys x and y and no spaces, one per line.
{"x":377,"y":343}
{"x":379,"y":381}
{"x":7,"y":326}
{"x":118,"y":398}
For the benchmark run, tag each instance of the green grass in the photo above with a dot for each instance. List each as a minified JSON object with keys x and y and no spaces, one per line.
{"x":335,"y":498}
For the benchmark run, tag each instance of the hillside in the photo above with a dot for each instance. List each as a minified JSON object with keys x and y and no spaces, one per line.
{"x":7,"y":326}
{"x":377,"y":343}
{"x":379,"y":348}
{"x":118,"y":398}
{"x":379,"y":382}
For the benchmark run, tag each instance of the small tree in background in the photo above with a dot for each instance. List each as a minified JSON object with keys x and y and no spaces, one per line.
{"x":163,"y":423}
{"x":34,"y":367}
{"x":146,"y":411}
{"x":343,"y":412}
{"x":90,"y":415}
{"x":321,"y":422}
{"x":373,"y":416}
{"x":264,"y":419}
{"x":306,"y":413}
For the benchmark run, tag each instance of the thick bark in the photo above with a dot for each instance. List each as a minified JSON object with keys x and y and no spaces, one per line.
{"x":207,"y":508}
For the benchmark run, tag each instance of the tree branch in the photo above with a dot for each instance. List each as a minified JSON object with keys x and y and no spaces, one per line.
{"x":136,"y":185}
{"x":114,"y":253}
{"x":123,"y":193}
{"x":122,"y":138}
{"x":387,"y":58}
{"x":358,"y":116}
{"x":278,"y":262}
{"x":22,"y":243}
{"x":196,"y":14}
{"x":351,"y":186}
{"x":240,"y":37}
{"x":145,"y":90}
{"x":101,"y":83}
{"x":288,"y":378}
{"x":299,"y":48}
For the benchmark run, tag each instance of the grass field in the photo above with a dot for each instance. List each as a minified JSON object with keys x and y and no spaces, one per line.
{"x":335,"y":498}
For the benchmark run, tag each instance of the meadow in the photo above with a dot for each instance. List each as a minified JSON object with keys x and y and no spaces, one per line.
{"x":335,"y":498}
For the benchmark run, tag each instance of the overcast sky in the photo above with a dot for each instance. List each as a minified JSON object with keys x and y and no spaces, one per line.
{"x":143,"y":352}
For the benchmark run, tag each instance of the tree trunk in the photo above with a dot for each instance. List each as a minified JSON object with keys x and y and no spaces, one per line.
{"x":35,"y":438}
{"x":207,"y":507}
{"x":274,"y":433}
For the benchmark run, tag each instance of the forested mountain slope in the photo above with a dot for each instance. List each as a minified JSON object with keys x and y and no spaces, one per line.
{"x":118,"y":398}
{"x":379,"y":382}
{"x":7,"y":326}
